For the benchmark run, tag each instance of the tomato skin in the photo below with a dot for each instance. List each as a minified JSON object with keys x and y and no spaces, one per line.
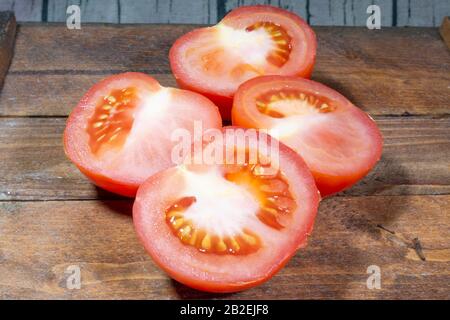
{"x":224,"y":100}
{"x":245,"y":114}
{"x":77,"y":150}
{"x":152,"y":229}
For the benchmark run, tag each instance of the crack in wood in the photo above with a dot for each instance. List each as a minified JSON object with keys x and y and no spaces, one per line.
{"x":417,"y":246}
{"x":385,"y":229}
{"x":414,"y":244}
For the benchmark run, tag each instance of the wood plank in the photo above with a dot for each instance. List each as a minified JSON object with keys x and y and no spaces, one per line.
{"x":322,"y":12}
{"x":34,"y":94}
{"x":7,"y":36}
{"x":409,"y":80}
{"x":173,"y":11}
{"x":34,"y":166}
{"x":327,"y":13}
{"x":90,"y":11}
{"x":25,"y":10}
{"x":417,"y":13}
{"x":299,"y":7}
{"x":54,"y":47}
{"x":41,"y":239}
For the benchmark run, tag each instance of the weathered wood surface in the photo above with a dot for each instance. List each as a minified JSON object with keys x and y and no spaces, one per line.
{"x":51,"y":217}
{"x":72,"y":60}
{"x":41,"y":239}
{"x":7,"y":36}
{"x":317,"y":12}
{"x":416,"y":160}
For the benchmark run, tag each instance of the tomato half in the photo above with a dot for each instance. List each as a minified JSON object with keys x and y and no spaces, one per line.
{"x":338,"y":141}
{"x":248,"y":42}
{"x":227,"y":226}
{"x":120,"y":132}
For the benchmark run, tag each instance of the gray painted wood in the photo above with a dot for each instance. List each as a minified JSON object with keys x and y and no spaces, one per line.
{"x":91,"y":11}
{"x":355,"y":12}
{"x":327,"y":12}
{"x":317,"y":12}
{"x":415,"y":13}
{"x":25,"y":10}
{"x":299,"y":6}
{"x":422,"y":13}
{"x":173,"y":11}
{"x":441,"y":10}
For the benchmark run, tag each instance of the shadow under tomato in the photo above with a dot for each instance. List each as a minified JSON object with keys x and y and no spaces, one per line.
{"x":185,"y":292}
{"x":115,"y":203}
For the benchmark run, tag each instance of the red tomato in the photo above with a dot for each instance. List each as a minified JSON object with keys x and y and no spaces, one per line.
{"x":120,"y":132}
{"x":248,"y":42}
{"x":338,"y":141}
{"x":227,"y":226}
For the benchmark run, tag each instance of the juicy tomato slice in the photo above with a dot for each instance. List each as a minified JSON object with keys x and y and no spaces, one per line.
{"x":120,"y":132}
{"x":224,"y":226}
{"x":338,"y":141}
{"x":248,"y":42}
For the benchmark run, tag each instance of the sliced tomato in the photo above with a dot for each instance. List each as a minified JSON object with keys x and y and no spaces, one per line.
{"x":338,"y":141}
{"x":120,"y":132}
{"x":225,"y":226}
{"x":248,"y":42}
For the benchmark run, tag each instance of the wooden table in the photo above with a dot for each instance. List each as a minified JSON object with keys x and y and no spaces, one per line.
{"x":397,"y":218}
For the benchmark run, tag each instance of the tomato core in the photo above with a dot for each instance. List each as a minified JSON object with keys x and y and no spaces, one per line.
{"x":268,"y":187}
{"x":281,"y":104}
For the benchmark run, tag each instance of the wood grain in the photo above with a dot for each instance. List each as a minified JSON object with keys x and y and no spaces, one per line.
{"x":415,"y":160}
{"x":41,"y":239}
{"x":7,"y":36}
{"x":73,"y":60}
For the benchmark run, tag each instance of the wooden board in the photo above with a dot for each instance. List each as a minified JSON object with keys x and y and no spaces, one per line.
{"x":74,"y":59}
{"x":350,"y":235}
{"x":34,"y":166}
{"x":397,"y":218}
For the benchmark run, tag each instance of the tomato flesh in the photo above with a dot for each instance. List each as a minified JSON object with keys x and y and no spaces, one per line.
{"x":112,"y":120}
{"x":248,"y":42}
{"x":338,"y":141}
{"x":120,"y":132}
{"x":225,"y":227}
